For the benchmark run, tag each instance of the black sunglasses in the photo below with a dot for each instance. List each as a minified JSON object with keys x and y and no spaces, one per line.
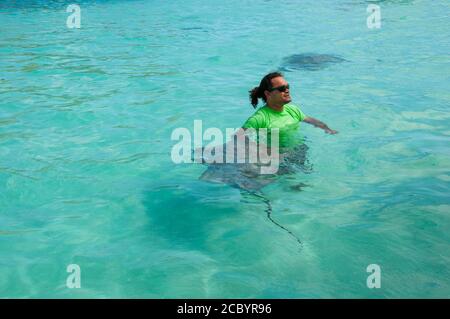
{"x":281,"y":88}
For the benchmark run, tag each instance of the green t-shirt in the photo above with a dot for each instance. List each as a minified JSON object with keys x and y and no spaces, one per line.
{"x":265,"y":117}
{"x":287,"y":121}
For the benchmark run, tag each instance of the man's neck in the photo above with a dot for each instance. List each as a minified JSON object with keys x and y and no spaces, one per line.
{"x":276,"y":107}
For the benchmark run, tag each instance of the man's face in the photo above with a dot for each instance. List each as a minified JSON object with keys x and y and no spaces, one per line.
{"x":278,"y":97}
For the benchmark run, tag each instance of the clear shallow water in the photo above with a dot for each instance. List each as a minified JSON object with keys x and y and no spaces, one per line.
{"x":86,"y":176}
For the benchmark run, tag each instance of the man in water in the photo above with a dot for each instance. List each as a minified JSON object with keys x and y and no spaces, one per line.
{"x":280,"y":115}
{"x":277,"y":112}
{"x":280,"y":121}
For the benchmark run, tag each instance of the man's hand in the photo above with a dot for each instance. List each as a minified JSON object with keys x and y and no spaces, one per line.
{"x":317,"y":123}
{"x":330,"y":131}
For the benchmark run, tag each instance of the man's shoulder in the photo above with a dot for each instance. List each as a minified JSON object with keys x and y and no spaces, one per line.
{"x":292,"y":106}
{"x":261,"y":112}
{"x":257,"y":119}
{"x":295,"y":111}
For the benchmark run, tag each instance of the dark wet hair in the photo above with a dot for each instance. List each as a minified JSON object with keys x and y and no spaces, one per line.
{"x":265,"y":84}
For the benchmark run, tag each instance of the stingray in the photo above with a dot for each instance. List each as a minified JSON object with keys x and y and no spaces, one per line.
{"x":309,"y":61}
{"x":241,"y":176}
{"x":248,"y":179}
{"x":247,"y":176}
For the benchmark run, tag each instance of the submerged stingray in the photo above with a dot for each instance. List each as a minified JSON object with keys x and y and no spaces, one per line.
{"x":242,"y":176}
{"x":247,"y":177}
{"x":309,"y":61}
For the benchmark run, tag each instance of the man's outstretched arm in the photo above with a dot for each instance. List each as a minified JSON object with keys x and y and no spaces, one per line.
{"x":317,"y":123}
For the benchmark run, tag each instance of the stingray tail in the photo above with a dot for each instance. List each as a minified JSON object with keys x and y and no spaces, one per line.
{"x":269,"y":215}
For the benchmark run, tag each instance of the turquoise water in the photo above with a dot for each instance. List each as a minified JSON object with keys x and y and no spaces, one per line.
{"x":86,"y":175}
